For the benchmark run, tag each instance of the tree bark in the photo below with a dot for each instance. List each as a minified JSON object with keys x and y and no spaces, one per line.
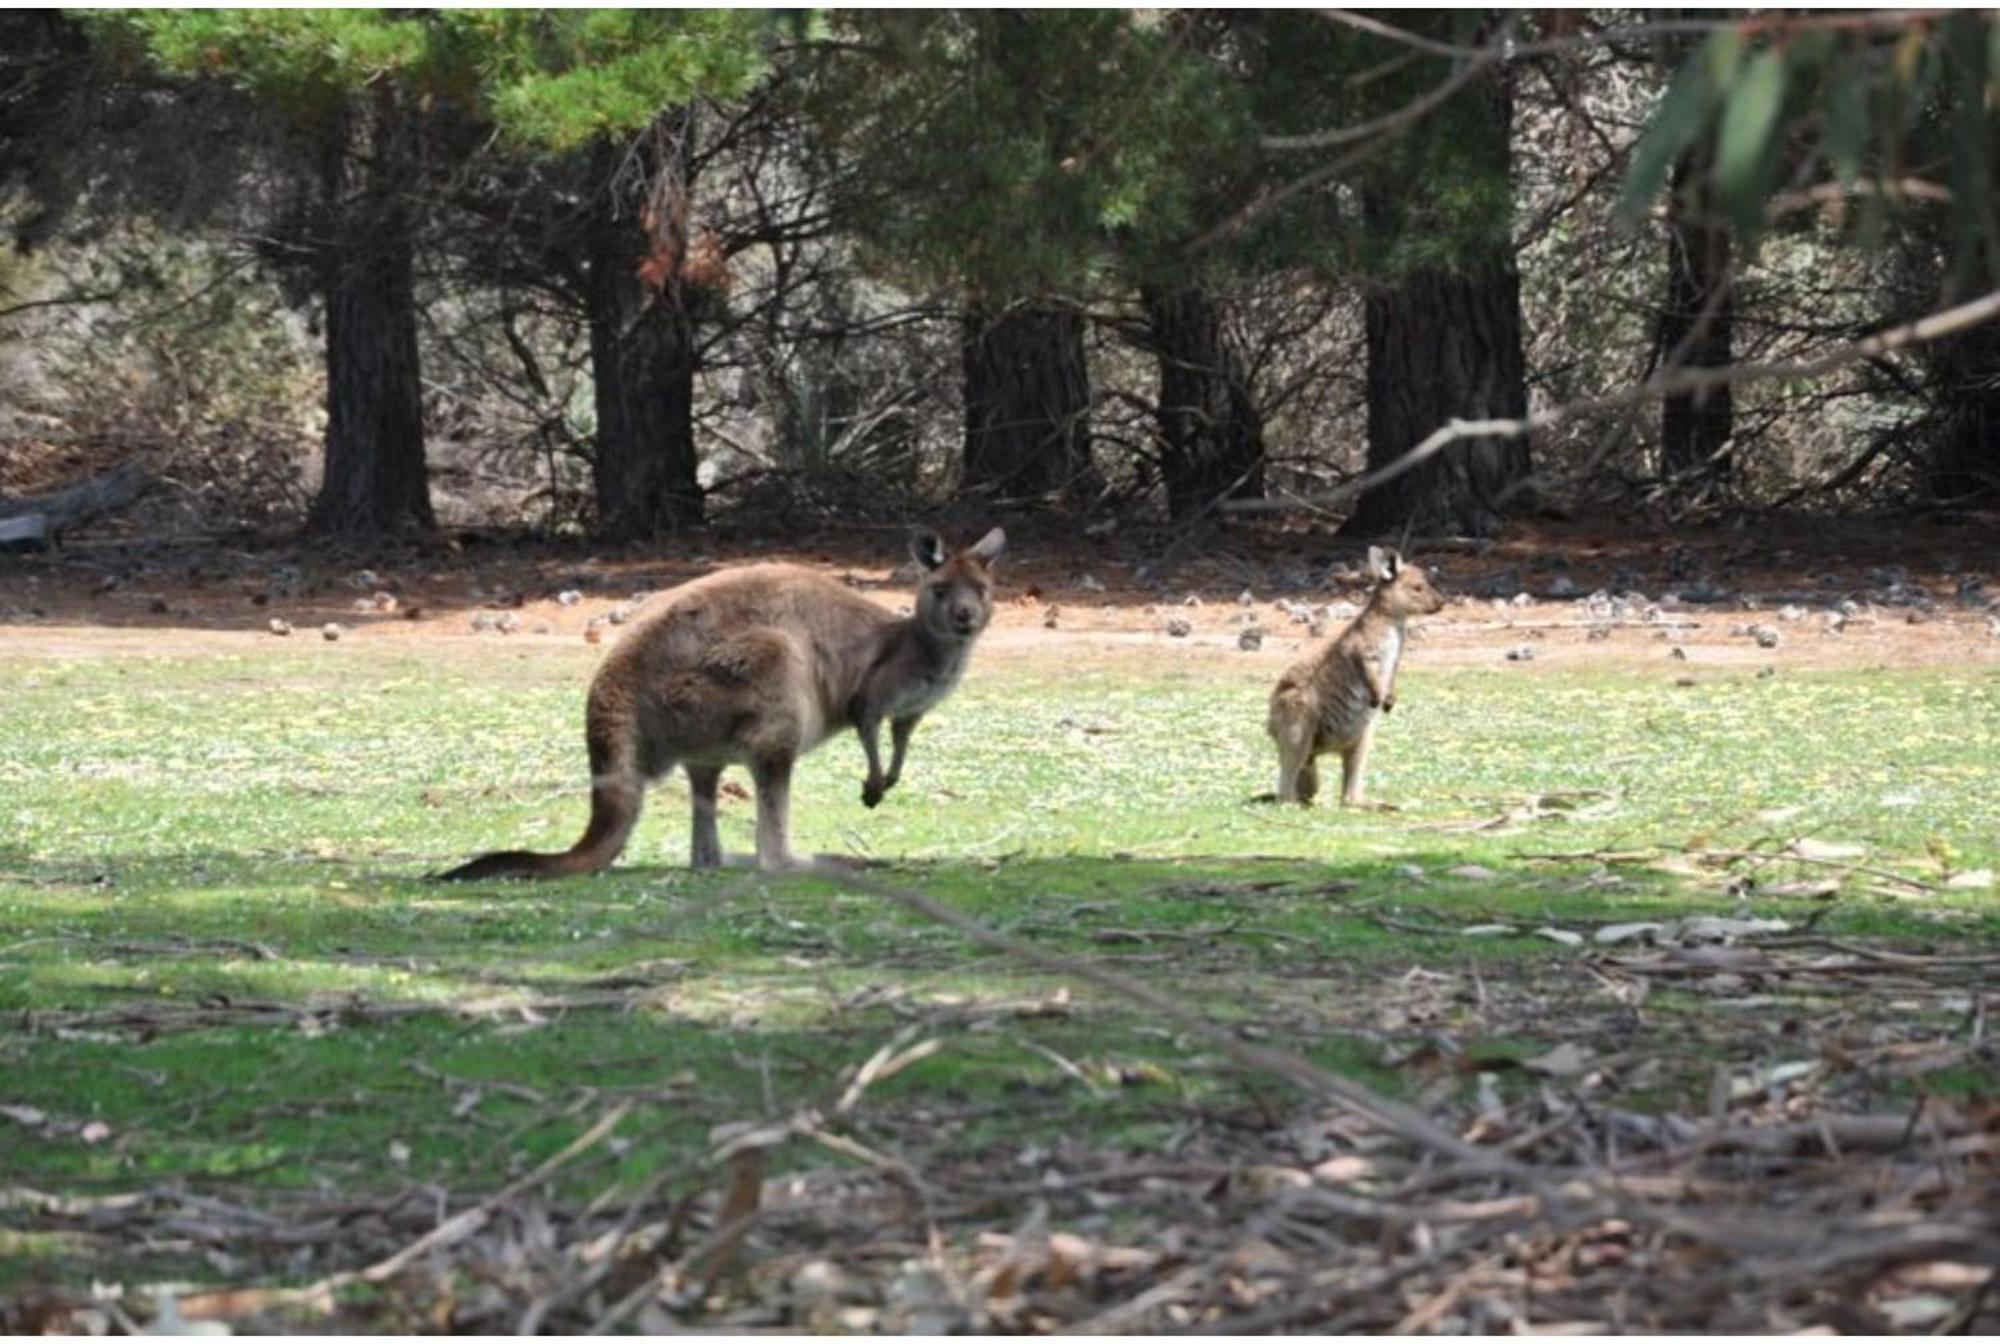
{"x":375,"y":478}
{"x":1027,"y":403}
{"x":1695,"y":328}
{"x":1444,"y":345}
{"x":643,"y":355}
{"x":1211,"y":432}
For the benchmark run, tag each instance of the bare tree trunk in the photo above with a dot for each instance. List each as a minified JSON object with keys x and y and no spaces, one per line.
{"x":1695,"y":328}
{"x":1211,"y":432}
{"x":1442,"y":346}
{"x":1964,"y":463}
{"x":1027,"y":403}
{"x":642,"y":353}
{"x":376,"y":478}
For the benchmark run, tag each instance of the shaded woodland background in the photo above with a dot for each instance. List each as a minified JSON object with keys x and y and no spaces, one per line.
{"x":605,"y":273}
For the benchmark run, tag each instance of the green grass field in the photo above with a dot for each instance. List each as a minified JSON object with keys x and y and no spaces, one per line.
{"x":220,"y":966}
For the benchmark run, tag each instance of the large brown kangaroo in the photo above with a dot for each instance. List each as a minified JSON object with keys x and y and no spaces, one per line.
{"x":757,"y":666}
{"x":1327,"y":700}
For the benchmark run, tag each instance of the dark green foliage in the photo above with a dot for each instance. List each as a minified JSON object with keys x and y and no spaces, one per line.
{"x":1865,"y":104}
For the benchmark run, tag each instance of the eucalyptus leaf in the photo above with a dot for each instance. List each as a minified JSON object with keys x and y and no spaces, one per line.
{"x":1748,"y":118}
{"x":1675,"y":126}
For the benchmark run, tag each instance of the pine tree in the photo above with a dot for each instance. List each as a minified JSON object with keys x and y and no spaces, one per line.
{"x":367,"y":84}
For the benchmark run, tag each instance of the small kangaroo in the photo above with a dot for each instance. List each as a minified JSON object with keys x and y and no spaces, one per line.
{"x":1327,"y":700}
{"x":757,"y":666}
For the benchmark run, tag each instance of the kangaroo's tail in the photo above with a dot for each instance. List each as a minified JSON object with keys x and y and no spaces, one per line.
{"x":617,"y":791}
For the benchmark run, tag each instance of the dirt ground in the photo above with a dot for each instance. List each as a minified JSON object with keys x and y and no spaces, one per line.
{"x":1831,"y":594}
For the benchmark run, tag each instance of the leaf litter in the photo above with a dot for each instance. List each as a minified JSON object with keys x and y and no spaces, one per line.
{"x":1593,"y":1181}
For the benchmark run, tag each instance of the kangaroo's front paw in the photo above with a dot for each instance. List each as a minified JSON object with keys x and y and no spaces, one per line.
{"x":871,"y":793}
{"x":1388,"y":703}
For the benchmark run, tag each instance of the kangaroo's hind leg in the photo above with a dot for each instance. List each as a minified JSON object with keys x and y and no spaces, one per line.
{"x":1292,"y":727}
{"x":705,"y":843}
{"x":1353,"y":764}
{"x":773,"y":777}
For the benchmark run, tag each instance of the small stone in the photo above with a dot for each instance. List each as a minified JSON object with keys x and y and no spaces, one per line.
{"x":1598,"y":634}
{"x":1244,"y":599}
{"x":1178,"y":628}
{"x":1917,"y":616}
{"x":544,"y":628}
{"x":1191,"y":600}
{"x":1521,"y":653}
{"x":618,"y":615}
{"x":483,"y":621}
{"x":1684,"y":682}
{"x":364,"y":604}
{"x":329,"y":632}
{"x":279,"y":627}
{"x":364,"y":578}
{"x":1050,"y":617}
{"x":384,"y":602}
{"x":1678,"y":654}
{"x":593,"y":633}
{"x":508,"y":623}
{"x":1250,"y":640}
{"x":1521,"y":600}
{"x":1766,"y":671}
{"x":1562,"y":586}
{"x":1791,"y":611}
{"x":1089,"y":583}
{"x":569,"y":597}
{"x":1766,"y":636}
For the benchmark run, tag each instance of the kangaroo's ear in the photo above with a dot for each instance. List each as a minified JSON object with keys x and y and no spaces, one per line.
{"x":989,"y":547}
{"x":926,"y":547}
{"x":1383,"y":562}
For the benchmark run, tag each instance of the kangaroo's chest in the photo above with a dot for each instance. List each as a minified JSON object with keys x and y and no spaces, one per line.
{"x":1391,"y":654}
{"x":919,"y":694}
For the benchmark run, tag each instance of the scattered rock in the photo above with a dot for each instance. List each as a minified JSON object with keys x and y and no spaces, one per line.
{"x":1050,"y":617}
{"x":483,"y":621}
{"x":1179,"y":628}
{"x":329,"y":632}
{"x":383,"y":602}
{"x":1684,"y":682}
{"x":1472,"y":872}
{"x":1521,"y":653}
{"x":1598,"y":634}
{"x":1521,"y":600}
{"x":1716,"y":929}
{"x":1978,"y":879}
{"x":364,"y":579}
{"x":618,"y":615}
{"x":569,"y":597}
{"x":1613,"y":934}
{"x":1191,"y":600}
{"x":1766,"y":636}
{"x":1678,"y":654}
{"x":1766,"y":671}
{"x":1791,"y":611}
{"x":593,"y":633}
{"x":508,"y":623}
{"x":1245,"y":599}
{"x":279,"y":627}
{"x":1566,"y":937}
{"x":1090,"y":584}
{"x":1562,"y":586}
{"x":1250,"y":640}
